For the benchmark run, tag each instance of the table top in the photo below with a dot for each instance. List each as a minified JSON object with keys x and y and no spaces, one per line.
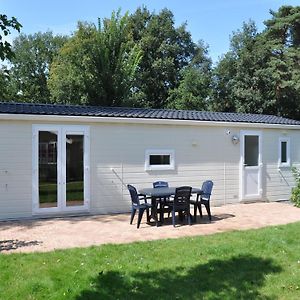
{"x":163,"y":191}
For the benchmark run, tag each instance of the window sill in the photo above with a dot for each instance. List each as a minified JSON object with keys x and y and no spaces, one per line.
{"x":159,"y":168}
{"x":284,"y":166}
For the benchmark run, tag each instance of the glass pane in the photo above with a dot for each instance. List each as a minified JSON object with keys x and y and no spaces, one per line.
{"x":74,"y":164}
{"x":251,"y":150}
{"x":159,"y":159}
{"x":283,"y":152}
{"x":47,"y":169}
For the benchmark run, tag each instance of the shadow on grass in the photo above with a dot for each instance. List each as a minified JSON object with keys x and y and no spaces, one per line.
{"x":236,"y":278}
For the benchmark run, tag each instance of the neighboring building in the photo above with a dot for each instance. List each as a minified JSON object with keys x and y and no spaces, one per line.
{"x":57,"y":159}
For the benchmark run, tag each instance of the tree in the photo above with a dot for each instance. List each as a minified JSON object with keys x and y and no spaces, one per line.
{"x":30,"y":66}
{"x":261,"y":71}
{"x":4,"y":82}
{"x":194,"y":89}
{"x":166,"y":51}
{"x":97,"y":65}
{"x":6,"y":25}
{"x":282,"y":38}
{"x":237,"y":81}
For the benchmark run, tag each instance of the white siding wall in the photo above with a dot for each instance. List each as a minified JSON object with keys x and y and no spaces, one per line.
{"x":278,"y":181}
{"x":15,"y":169}
{"x":118,"y":156}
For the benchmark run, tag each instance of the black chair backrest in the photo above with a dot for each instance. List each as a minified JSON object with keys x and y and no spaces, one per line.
{"x":206,"y":190}
{"x":158,"y":184}
{"x":134,"y":195}
{"x":182,"y":196}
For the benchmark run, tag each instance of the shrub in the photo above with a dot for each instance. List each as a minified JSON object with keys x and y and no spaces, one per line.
{"x":295,"y":197}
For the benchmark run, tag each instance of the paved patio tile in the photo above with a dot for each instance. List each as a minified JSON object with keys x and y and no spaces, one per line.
{"x":58,"y":233}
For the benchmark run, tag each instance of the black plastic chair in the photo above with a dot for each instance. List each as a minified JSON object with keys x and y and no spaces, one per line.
{"x":159,"y":184}
{"x":203,"y":198}
{"x":181,"y":203}
{"x":137,"y":205}
{"x":164,"y":202}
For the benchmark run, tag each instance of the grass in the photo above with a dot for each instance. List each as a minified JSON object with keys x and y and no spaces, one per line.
{"x":254,"y":264}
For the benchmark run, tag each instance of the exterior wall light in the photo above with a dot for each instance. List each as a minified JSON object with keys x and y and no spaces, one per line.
{"x":235,"y":139}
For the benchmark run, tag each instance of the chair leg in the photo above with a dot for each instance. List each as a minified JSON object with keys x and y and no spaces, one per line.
{"x":196,"y":206}
{"x":133,"y":210}
{"x":180,"y":213}
{"x":148,"y":215}
{"x":141,"y":212}
{"x":195,"y":212}
{"x":162,"y":207}
{"x":189,"y":217}
{"x":200,"y":209}
{"x":173,"y":217}
{"x":207,"y":206}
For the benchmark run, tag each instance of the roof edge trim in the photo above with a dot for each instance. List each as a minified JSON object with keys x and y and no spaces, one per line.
{"x":89,"y":119}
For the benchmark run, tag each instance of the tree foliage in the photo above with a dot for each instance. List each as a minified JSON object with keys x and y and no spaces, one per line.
{"x":261,"y":71}
{"x":295,"y":197}
{"x":166,"y":51}
{"x":194,"y":89}
{"x":282,"y":39}
{"x":4,"y":83}
{"x":97,"y":65}
{"x":237,"y":80}
{"x":6,"y":25}
{"x":30,"y":66}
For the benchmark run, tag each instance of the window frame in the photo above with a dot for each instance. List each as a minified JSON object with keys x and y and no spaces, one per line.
{"x":288,"y":152}
{"x":150,"y":152}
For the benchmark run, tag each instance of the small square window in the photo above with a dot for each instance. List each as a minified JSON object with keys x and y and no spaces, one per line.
{"x":159,"y":159}
{"x":284,"y":152}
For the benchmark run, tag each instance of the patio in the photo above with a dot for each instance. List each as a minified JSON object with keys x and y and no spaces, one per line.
{"x":67,"y":232}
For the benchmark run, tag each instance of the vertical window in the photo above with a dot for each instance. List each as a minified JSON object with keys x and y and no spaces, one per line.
{"x":159,"y":159}
{"x":251,"y":150}
{"x":284,"y":152}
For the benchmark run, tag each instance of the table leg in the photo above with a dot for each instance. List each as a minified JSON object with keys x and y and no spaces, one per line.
{"x":154,"y":203}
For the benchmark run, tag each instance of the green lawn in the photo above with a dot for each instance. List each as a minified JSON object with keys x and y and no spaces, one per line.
{"x":255,"y":264}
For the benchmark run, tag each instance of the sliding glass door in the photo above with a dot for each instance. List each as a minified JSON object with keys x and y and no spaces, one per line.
{"x":60,"y":168}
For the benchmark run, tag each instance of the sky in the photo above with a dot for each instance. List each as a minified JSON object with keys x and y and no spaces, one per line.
{"x":212,"y":21}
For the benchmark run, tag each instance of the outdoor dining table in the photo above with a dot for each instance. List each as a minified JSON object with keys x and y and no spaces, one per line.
{"x":157,"y":194}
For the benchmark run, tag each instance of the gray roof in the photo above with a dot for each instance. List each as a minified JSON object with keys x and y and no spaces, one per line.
{"x":143,"y":113}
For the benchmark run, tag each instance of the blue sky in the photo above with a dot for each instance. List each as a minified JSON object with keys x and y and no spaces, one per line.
{"x":210,"y":20}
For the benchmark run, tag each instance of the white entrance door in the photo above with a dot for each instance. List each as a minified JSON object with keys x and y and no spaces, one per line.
{"x":251,"y":165}
{"x":60,"y":168}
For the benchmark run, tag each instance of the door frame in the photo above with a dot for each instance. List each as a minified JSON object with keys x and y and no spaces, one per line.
{"x":258,"y":196}
{"x":61,"y":168}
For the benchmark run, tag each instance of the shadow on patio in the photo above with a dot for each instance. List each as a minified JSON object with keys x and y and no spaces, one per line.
{"x":8,"y":245}
{"x":31,"y":223}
